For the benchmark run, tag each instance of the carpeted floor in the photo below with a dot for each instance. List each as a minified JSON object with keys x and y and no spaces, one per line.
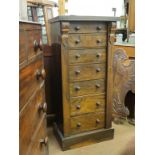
{"x":123,"y":134}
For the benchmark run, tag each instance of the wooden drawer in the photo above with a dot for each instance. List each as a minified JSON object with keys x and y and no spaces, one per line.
{"x":86,"y":40}
{"x":30,"y":78}
{"x":87,"y":104}
{"x":87,"y":72}
{"x":87,"y":122}
{"x":87,"y":87}
{"x":30,"y":117}
{"x":39,"y":141}
{"x":87,"y":56}
{"x":87,"y":27}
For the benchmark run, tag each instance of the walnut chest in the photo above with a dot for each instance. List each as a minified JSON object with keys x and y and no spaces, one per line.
{"x":32,"y":106}
{"x":80,"y":44}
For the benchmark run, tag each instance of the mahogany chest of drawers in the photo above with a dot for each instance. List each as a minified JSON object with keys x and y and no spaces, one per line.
{"x":32,"y":107}
{"x":80,"y":44}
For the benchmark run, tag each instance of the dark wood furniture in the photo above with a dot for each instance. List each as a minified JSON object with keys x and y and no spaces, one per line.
{"x":32,"y":107}
{"x":80,"y":45}
{"x":122,"y":81}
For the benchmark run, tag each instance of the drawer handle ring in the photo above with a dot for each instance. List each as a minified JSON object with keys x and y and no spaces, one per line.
{"x":44,"y":141}
{"x":43,"y":107}
{"x":40,"y":74}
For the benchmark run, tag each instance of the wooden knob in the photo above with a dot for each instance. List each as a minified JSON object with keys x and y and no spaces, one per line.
{"x":78,"y":125}
{"x":98,"y":27}
{"x":77,"y":88}
{"x":35,"y":45}
{"x":77,"y":56}
{"x":97,"y":85}
{"x":97,"y":121}
{"x":43,"y":107}
{"x":77,"y":72}
{"x":98,"y":55}
{"x":77,"y":28}
{"x":77,"y":41}
{"x":40,"y":74}
{"x":44,"y":141}
{"x":98,"y":104}
{"x":98,"y":41}
{"x":78,"y":107}
{"x":98,"y":69}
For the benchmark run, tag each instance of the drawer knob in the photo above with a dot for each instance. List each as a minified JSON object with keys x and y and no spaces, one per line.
{"x":43,"y":107}
{"x":41,"y":45}
{"x":78,"y":125}
{"x":98,"y":69}
{"x":78,"y":107}
{"x":44,"y":141}
{"x":77,"y":88}
{"x":98,"y":104}
{"x":98,"y":27}
{"x":98,"y":85}
{"x":40,"y":74}
{"x":97,"y":121}
{"x":35,"y":45}
{"x":77,"y":56}
{"x":98,"y":55}
{"x":98,"y":41}
{"x":77,"y":28}
{"x":77,"y":72}
{"x":77,"y":41}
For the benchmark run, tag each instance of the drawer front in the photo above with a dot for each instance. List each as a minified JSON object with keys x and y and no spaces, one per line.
{"x":87,"y":122}
{"x":87,"y":56}
{"x":87,"y":40}
{"x":22,"y":47}
{"x":87,"y":87}
{"x":87,"y":27}
{"x":87,"y":72}
{"x":39,"y":142}
{"x":30,"y":78}
{"x":30,"y":117}
{"x":87,"y":104}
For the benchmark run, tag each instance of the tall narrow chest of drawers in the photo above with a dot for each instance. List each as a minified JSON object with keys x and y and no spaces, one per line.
{"x":80,"y":44}
{"x":32,"y":107}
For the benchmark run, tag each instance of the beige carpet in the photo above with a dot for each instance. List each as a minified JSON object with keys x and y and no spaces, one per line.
{"x":123,"y":134}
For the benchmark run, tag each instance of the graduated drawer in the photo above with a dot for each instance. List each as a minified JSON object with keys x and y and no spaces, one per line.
{"x":87,"y":104}
{"x":30,"y":117}
{"x":87,"y":56}
{"x":39,"y":141}
{"x":30,"y":78}
{"x":86,"y":40}
{"x":87,"y":87}
{"x":87,"y":122}
{"x":87,"y":27}
{"x":87,"y":72}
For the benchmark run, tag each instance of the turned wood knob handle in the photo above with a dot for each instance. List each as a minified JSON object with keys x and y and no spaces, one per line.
{"x":97,"y":121}
{"x":43,"y":107}
{"x":44,"y":141}
{"x":98,"y":85}
{"x":77,"y":88}
{"x":40,"y":74}
{"x":98,"y":41}
{"x":98,"y":27}
{"x":78,"y":125}
{"x":98,"y":69}
{"x":98,"y":55}
{"x":98,"y":104}
{"x":77,"y":56}
{"x":77,"y":72}
{"x":78,"y":107}
{"x":77,"y":28}
{"x":35,"y":45}
{"x":77,"y":41}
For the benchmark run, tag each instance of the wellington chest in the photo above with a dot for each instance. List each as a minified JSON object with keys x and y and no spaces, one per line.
{"x":80,"y":45}
{"x":32,"y":106}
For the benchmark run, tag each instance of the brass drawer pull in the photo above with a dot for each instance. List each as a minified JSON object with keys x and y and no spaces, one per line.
{"x":98,"y":55}
{"x":98,"y":104}
{"x":40,"y":74}
{"x":78,"y":125}
{"x":98,"y":85}
{"x":98,"y":69}
{"x":77,"y":41}
{"x":43,"y":107}
{"x":77,"y":28}
{"x":78,"y":107}
{"x":77,"y":56}
{"x":77,"y":72}
{"x":98,"y":41}
{"x":77,"y":88}
{"x":44,"y":141}
{"x":98,"y":27}
{"x":97,"y":121}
